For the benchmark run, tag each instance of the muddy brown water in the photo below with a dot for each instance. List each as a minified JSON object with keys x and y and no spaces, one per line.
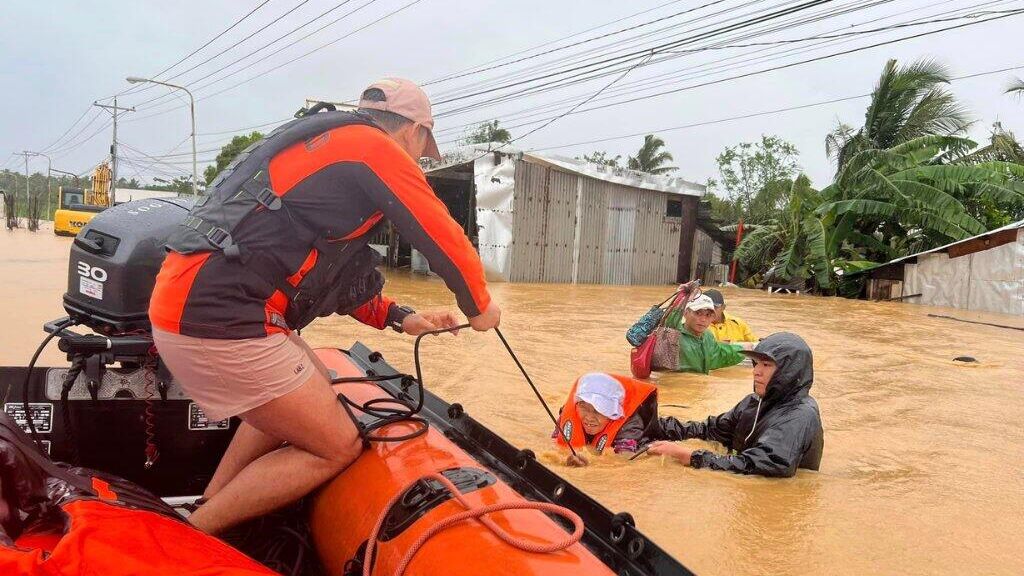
{"x":922,"y":468}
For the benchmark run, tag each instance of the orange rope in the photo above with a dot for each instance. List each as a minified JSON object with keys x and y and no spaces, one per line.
{"x":478,"y":513}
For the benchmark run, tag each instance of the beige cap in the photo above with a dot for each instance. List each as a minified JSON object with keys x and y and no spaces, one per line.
{"x":702,"y":302}
{"x":405,"y":98}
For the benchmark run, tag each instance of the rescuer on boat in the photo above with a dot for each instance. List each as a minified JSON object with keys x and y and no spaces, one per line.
{"x":280,"y":240}
{"x":771,"y":432}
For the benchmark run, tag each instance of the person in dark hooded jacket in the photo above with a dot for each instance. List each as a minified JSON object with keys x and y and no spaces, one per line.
{"x":771,"y":432}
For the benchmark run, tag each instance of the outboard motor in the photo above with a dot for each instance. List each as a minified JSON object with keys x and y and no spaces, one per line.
{"x":117,"y":407}
{"x":114,"y":262}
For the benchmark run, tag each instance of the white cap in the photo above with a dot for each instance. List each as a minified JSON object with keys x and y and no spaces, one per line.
{"x":602,"y":392}
{"x":702,"y":302}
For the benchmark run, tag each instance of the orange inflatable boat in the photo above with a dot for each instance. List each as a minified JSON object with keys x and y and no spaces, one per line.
{"x":393,"y":495}
{"x":434,"y":493}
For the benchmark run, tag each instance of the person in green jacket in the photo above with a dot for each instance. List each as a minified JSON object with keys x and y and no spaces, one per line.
{"x":699,"y":350}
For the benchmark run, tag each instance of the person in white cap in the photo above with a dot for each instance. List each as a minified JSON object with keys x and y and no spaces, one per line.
{"x":699,"y":351}
{"x":606,"y":410}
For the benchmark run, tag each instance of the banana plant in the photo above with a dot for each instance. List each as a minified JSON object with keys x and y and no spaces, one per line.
{"x":882,"y":205}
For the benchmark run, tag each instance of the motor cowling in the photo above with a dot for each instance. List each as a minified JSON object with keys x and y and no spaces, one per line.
{"x":114,"y":262}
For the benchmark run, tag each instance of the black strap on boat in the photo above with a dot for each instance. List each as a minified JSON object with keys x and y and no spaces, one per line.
{"x":388,"y":415}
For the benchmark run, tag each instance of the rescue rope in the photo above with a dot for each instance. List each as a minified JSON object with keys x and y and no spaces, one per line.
{"x":535,"y":391}
{"x":478,"y":513}
{"x":407,"y":412}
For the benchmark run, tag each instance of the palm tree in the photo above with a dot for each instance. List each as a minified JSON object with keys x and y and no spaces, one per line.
{"x":1002,"y":146}
{"x":883,"y":204}
{"x":908,"y":102}
{"x":651,"y":158}
{"x":1016,"y":86}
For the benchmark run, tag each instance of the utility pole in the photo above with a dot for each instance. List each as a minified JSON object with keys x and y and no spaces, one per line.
{"x":114,"y":111}
{"x":25,"y":155}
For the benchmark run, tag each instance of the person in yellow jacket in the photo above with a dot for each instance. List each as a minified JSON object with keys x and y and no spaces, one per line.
{"x":726,"y":327}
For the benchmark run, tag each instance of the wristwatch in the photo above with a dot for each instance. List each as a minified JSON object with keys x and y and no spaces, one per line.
{"x":396,"y":315}
{"x":697,"y":459}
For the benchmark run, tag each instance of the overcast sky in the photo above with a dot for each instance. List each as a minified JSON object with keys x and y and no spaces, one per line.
{"x":57,"y":57}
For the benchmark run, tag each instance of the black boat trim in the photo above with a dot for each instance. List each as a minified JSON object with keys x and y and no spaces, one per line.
{"x":612,"y":537}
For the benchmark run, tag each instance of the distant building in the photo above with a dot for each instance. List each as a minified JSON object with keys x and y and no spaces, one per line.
{"x":985,"y":272}
{"x":546,"y":218}
{"x":129,"y":194}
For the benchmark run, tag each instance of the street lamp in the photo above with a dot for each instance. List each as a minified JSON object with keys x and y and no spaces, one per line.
{"x":192,"y":108}
{"x":72,"y":174}
{"x":49,"y":168}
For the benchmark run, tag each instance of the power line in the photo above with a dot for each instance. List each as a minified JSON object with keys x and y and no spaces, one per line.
{"x":637,"y":54}
{"x":574,"y":80}
{"x":138,"y":88}
{"x":581,"y":103}
{"x":255,"y":32}
{"x":574,"y":44}
{"x":64,"y":151}
{"x":289,"y":45}
{"x":272,"y":42}
{"x":780,"y":67}
{"x":66,"y":132}
{"x":753,"y":114}
{"x":588,"y":75}
{"x":654,"y":82}
{"x":555,"y":41}
{"x":617,"y":47}
{"x":237,"y":130}
{"x":268,"y":71}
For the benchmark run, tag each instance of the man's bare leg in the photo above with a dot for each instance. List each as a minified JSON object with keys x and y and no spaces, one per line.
{"x":323,"y":439}
{"x":246,"y":446}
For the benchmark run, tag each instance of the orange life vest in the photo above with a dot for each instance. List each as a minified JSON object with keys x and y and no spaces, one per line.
{"x":105,"y":537}
{"x":571,"y":425}
{"x":65,"y":521}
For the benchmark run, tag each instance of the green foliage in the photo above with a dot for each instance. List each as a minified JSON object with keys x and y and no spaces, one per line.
{"x":488,"y":132}
{"x":180,"y":184}
{"x":651,"y":158}
{"x":756,"y":179}
{"x":228,"y":153}
{"x":601,"y":157}
{"x":883,"y":204}
{"x":907,"y":103}
{"x":13,"y":184}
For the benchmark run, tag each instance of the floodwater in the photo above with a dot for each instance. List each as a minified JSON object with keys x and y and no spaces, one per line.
{"x":922,"y":466}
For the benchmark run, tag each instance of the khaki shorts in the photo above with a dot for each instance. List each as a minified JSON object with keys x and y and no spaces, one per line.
{"x":229,"y":377}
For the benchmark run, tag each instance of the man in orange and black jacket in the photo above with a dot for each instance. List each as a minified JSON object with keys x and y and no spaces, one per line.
{"x":281,"y":239}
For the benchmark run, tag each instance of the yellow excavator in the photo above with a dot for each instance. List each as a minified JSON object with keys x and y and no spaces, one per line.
{"x":78,"y":206}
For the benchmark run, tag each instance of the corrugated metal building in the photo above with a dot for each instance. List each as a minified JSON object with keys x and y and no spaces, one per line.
{"x":985,"y":272}
{"x":545,"y":218}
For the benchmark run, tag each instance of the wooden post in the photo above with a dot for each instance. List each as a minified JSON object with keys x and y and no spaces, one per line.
{"x":687,"y":234}
{"x":739,"y":238}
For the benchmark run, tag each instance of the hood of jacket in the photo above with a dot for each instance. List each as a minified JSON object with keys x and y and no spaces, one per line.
{"x":794,"y":366}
